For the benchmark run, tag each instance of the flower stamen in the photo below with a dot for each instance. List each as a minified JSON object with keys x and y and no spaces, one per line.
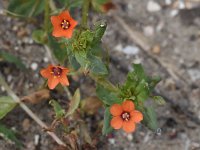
{"x":65,"y":24}
{"x":56,"y":71}
{"x":125,"y":116}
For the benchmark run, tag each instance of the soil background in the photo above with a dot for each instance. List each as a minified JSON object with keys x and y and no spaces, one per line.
{"x":173,"y":32}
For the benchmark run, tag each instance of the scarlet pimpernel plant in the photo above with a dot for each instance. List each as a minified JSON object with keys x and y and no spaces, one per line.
{"x":76,"y":49}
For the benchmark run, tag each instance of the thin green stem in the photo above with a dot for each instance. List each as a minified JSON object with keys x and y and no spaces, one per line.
{"x":104,"y":82}
{"x":85,"y":10}
{"x":46,"y":16}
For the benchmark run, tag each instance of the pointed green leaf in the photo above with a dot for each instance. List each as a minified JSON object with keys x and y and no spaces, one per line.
{"x":159,"y":100}
{"x":6,"y":105}
{"x":106,"y":123}
{"x":39,"y":36}
{"x":97,"y":66}
{"x":139,"y":71}
{"x":12,"y":59}
{"x":27,"y":8}
{"x":8,"y":134}
{"x":107,"y":96}
{"x":74,"y":103}
{"x":150,"y":119}
{"x":57,"y":109}
{"x":100,"y":28}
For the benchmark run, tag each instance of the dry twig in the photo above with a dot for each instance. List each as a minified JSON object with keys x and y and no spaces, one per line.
{"x":28,"y":111}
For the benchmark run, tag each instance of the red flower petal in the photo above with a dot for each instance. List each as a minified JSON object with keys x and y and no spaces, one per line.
{"x":136,"y":116}
{"x":116,"y":110}
{"x":128,"y":106}
{"x":116,"y":122}
{"x":52,"y":83}
{"x":129,"y":126}
{"x":63,"y":80}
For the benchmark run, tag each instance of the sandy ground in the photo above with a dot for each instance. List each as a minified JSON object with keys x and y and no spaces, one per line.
{"x":174,"y":35}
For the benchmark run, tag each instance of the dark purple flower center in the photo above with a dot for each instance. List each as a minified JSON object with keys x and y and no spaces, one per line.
{"x":56,"y":71}
{"x":65,"y":24}
{"x":125,"y":116}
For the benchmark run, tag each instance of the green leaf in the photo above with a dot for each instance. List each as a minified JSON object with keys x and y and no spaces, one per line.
{"x":150,"y":119}
{"x":71,"y":4}
{"x":100,"y":28}
{"x":74,"y":103}
{"x":26,"y":8}
{"x":97,"y":66}
{"x":57,"y":109}
{"x":159,"y":100}
{"x":81,"y":58}
{"x":73,"y":62}
{"x":39,"y":36}
{"x":106,"y":123}
{"x":153,"y":81}
{"x":139,"y":72}
{"x":12,"y":59}
{"x":6,"y":105}
{"x":142,"y":91}
{"x":59,"y":49}
{"x":107,"y":96}
{"x":8,"y":134}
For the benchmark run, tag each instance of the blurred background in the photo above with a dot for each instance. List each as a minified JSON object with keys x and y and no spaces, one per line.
{"x":163,"y":35}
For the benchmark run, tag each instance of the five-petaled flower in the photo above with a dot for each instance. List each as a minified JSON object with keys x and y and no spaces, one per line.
{"x":63,"y":25}
{"x":55,"y":75}
{"x":125,"y":116}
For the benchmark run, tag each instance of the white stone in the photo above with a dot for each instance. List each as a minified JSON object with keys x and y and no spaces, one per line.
{"x":9,"y":78}
{"x":34,"y":66}
{"x":46,"y":59}
{"x":168,"y":2}
{"x":153,"y":6}
{"x":36,"y":139}
{"x":148,"y":31}
{"x":194,"y":74}
{"x":3,"y":89}
{"x":174,"y":12}
{"x":130,"y":137}
{"x":119,"y":47}
{"x":112,"y":141}
{"x":131,"y":50}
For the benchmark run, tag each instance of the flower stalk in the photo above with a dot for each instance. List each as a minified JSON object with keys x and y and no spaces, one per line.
{"x":85,"y":11}
{"x":46,"y":16}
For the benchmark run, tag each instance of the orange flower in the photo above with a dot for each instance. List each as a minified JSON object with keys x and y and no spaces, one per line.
{"x":125,"y":116}
{"x":63,"y":25}
{"x":55,"y":75}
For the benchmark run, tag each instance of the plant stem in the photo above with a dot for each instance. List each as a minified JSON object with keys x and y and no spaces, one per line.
{"x":85,"y":10}
{"x":46,"y":16}
{"x":28,"y":111}
{"x":105,"y":83}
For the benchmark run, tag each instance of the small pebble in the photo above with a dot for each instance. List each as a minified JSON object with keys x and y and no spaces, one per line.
{"x":131,"y":50}
{"x":46,"y":59}
{"x":152,"y":6}
{"x":111,"y":141}
{"x":168,"y":2}
{"x":16,"y":48}
{"x":148,"y":31}
{"x":174,"y":13}
{"x":34,"y":66}
{"x":130,"y":137}
{"x":156,"y":49}
{"x":2,"y":89}
{"x":9,"y":78}
{"x":36,"y":139}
